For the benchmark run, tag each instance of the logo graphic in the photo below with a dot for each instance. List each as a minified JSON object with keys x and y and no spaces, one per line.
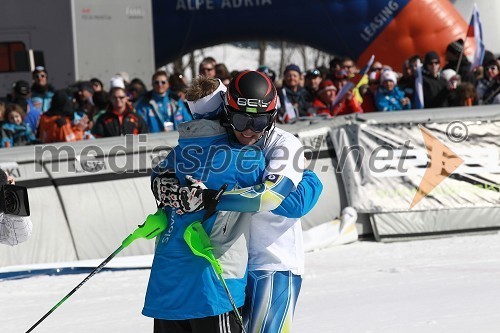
{"x":443,"y":161}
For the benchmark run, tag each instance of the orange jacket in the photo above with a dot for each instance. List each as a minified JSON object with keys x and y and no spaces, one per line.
{"x":58,"y":128}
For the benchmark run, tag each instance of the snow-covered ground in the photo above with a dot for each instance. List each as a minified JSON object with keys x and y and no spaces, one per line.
{"x":439,"y":285}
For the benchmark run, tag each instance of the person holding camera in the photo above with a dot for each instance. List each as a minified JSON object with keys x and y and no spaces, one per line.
{"x":13,"y":229}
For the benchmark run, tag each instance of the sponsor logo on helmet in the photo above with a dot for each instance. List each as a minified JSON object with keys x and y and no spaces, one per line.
{"x":252,"y":102}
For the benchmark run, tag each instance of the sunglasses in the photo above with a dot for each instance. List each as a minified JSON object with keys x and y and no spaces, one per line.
{"x":314,"y":72}
{"x":40,"y":76}
{"x":377,"y":69}
{"x":492,"y":68}
{"x":241,"y":121}
{"x":158,"y":82}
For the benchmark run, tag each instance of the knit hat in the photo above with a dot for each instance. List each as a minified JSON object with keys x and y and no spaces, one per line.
{"x":210,"y":106}
{"x":456,"y":47}
{"x":326,"y":85}
{"x":388,"y":76}
{"x":22,"y":88}
{"x":293,"y":67}
{"x":117,"y":82}
{"x":430,"y":56}
{"x":448,"y":74}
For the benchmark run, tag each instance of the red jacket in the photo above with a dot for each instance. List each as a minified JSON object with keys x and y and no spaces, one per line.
{"x":343,"y":108}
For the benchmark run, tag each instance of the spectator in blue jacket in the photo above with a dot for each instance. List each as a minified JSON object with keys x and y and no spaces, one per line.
{"x":41,"y":88}
{"x":15,"y":132}
{"x":388,"y":96}
{"x":161,"y":108}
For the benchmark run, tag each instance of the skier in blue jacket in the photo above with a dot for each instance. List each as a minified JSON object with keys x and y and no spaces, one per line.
{"x":266,"y":196}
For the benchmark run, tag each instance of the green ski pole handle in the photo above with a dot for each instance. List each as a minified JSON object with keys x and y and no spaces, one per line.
{"x":153,"y":226}
{"x":199,"y":242}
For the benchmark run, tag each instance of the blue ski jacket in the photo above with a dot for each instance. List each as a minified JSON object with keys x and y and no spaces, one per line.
{"x":181,"y":285}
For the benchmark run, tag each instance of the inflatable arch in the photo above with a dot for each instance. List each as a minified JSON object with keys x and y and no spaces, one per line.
{"x":393,"y":30}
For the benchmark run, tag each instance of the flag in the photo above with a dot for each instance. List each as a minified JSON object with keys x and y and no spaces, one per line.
{"x":353,"y":83}
{"x":476,"y":31}
{"x":419,"y":88}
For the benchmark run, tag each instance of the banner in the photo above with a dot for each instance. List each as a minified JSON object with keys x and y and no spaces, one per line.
{"x":403,"y":167}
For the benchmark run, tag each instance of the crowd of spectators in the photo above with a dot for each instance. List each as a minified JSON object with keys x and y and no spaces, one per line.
{"x":38,"y":113}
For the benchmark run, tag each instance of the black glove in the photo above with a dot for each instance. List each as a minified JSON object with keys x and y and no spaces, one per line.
{"x":194,"y":197}
{"x":165,"y":188}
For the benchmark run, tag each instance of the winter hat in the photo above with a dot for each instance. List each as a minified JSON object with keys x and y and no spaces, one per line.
{"x":447,"y":74}
{"x":210,"y":106}
{"x":388,"y":76}
{"x":86,"y":85}
{"x":456,"y":47}
{"x":22,"y":88}
{"x":124,"y":75}
{"x":326,"y":85}
{"x":430,"y":56}
{"x":292,"y":67}
{"x":40,"y":69}
{"x":117,"y":82}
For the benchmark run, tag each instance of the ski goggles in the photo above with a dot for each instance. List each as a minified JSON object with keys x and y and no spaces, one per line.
{"x":241,"y":121}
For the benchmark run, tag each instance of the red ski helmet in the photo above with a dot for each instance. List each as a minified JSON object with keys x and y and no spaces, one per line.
{"x":250,"y":102}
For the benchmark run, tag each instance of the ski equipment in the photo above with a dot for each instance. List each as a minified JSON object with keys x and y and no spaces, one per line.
{"x":152,"y":227}
{"x":199,"y":242}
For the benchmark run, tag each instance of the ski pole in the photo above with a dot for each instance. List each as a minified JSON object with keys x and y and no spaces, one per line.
{"x":153,"y":226}
{"x":199,"y":242}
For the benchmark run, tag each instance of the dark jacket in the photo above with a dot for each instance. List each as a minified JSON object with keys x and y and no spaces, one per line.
{"x":109,"y":124}
{"x":435,"y":91}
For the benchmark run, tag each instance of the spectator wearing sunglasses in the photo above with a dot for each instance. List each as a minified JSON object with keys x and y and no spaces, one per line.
{"x":312,"y":80}
{"x":435,"y":87}
{"x":161,"y":107}
{"x":41,"y":88}
{"x":491,"y":71}
{"x":120,"y":118}
{"x":207,"y":67}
